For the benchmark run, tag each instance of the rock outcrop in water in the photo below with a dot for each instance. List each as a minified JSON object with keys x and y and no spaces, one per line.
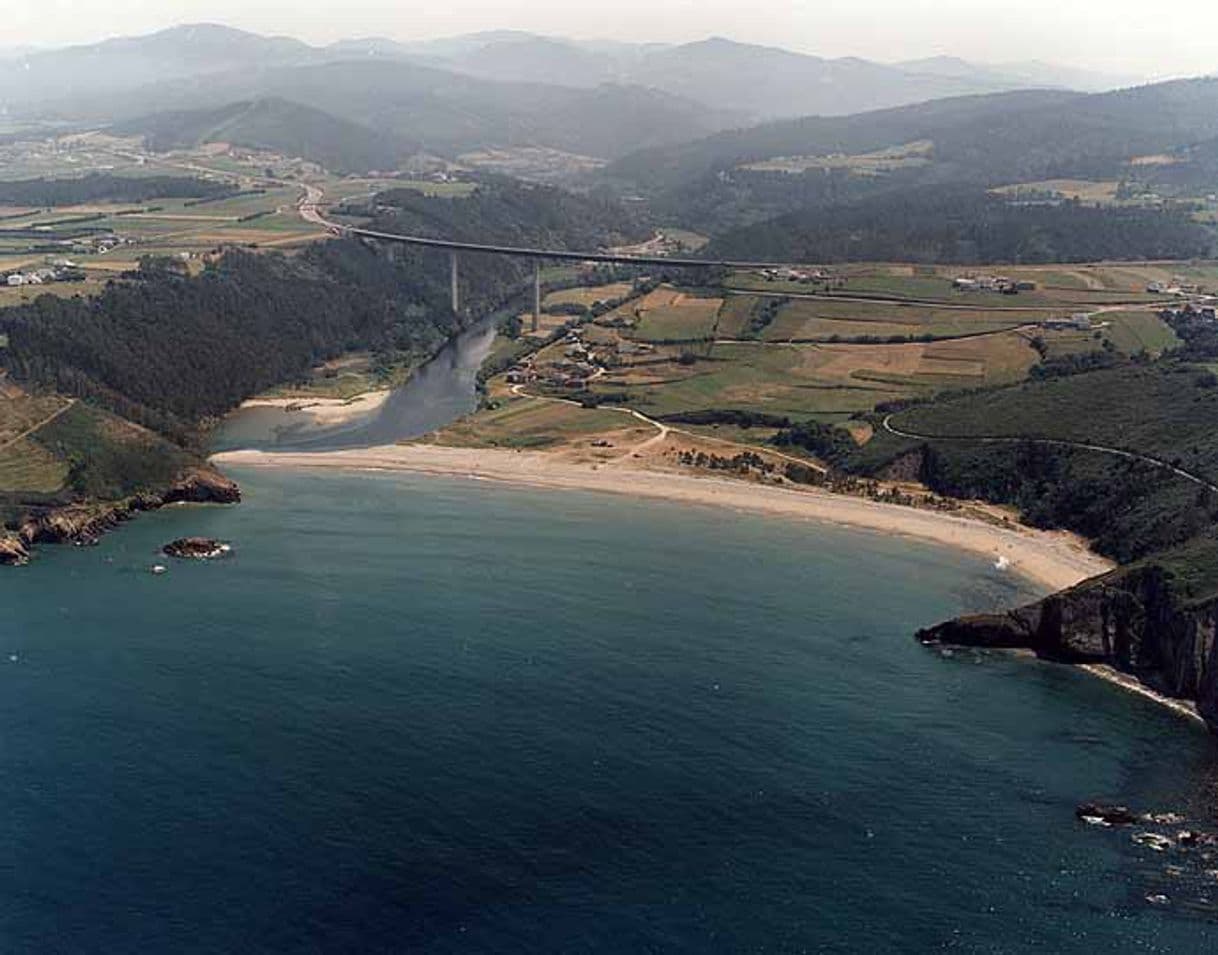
{"x":195,"y":548}
{"x":13,"y":551}
{"x":1132,"y":620}
{"x":85,"y":523}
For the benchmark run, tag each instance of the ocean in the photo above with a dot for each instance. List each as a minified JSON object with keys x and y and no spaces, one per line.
{"x":429,"y":715}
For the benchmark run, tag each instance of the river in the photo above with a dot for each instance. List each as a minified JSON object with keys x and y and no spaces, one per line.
{"x":433,"y":715}
{"x":440,"y":391}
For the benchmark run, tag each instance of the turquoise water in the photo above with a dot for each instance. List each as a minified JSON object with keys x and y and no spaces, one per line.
{"x":445,"y":716}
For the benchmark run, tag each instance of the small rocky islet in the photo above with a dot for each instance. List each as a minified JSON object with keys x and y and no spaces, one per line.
{"x":196,"y":548}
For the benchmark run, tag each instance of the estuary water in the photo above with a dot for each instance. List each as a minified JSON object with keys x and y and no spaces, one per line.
{"x":425,"y":715}
{"x":440,"y":391}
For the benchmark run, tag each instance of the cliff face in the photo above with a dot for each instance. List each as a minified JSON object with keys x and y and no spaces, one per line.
{"x":83,"y":523}
{"x":1131,"y":620}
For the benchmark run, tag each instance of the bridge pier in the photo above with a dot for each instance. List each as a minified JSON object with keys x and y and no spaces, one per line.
{"x":536,"y":294}
{"x":456,"y":295}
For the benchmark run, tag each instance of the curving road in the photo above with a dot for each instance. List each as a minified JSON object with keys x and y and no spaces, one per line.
{"x":1057,"y":443}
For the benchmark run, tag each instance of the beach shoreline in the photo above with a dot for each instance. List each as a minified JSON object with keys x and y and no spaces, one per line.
{"x":324,"y":412}
{"x":1132,"y":684}
{"x":1051,"y":560}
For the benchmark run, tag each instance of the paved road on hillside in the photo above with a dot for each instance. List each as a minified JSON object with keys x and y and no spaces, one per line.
{"x":310,"y":211}
{"x":1052,"y":442}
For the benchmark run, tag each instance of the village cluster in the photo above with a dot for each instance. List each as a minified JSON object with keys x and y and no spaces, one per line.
{"x":992,"y":283}
{"x":64,"y":271}
{"x":800,"y":276}
{"x":581,"y":362}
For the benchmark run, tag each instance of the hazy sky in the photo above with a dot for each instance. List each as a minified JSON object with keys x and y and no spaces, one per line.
{"x":1167,"y":37}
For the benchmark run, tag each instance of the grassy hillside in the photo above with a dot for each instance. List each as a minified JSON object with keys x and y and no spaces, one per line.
{"x":1131,"y":148}
{"x":1163,"y":410}
{"x":277,"y":125}
{"x":1005,"y":137}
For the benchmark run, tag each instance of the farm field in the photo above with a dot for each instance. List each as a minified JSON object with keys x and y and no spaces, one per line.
{"x":1098,"y":193}
{"x":1057,"y":286}
{"x":672,"y":353}
{"x":526,"y":422}
{"x":588,"y":295}
{"x":1126,"y":332}
{"x":822,"y":381}
{"x":343,"y":189}
{"x":876,"y":163}
{"x":26,"y":466}
{"x":671,"y":315}
{"x":811,"y":320}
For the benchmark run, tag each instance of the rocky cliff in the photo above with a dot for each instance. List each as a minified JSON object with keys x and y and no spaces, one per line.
{"x":85,"y":522}
{"x":1133,"y":619}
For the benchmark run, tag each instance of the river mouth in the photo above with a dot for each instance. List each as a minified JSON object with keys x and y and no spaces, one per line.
{"x":440,"y":391}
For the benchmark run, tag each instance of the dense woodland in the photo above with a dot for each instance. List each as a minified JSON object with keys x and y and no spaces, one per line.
{"x":167,"y":351}
{"x":105,"y":187}
{"x":948,"y":224}
{"x":511,"y":212}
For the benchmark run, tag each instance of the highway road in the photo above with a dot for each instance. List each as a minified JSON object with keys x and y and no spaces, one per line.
{"x":310,"y":211}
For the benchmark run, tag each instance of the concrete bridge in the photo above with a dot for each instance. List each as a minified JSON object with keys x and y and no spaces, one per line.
{"x":311,"y":212}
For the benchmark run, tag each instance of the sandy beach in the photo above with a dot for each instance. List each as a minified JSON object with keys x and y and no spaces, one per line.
{"x":325,"y":412}
{"x":1050,"y":560}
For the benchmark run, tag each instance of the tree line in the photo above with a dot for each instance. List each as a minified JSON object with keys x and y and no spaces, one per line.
{"x":106,"y":187}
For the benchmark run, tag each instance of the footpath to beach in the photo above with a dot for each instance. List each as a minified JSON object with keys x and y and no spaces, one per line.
{"x":1050,"y":560}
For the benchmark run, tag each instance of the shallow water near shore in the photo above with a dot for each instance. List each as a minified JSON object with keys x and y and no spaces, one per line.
{"x":421,"y":714}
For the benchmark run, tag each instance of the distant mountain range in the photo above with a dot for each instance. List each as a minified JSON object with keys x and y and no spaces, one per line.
{"x":1008,"y":137}
{"x":369,"y":103}
{"x":1158,"y":140}
{"x":722,"y":75}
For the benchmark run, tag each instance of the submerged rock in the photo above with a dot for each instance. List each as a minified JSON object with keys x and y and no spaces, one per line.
{"x":13,"y":551}
{"x":1108,"y":815}
{"x":196,"y":548}
{"x":1153,"y":840}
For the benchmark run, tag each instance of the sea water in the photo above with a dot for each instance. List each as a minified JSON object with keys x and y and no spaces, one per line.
{"x":426,"y":715}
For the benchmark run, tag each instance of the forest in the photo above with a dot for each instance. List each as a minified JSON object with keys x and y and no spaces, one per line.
{"x":511,"y":212}
{"x":105,"y":187}
{"x":169,"y":351}
{"x":955,"y":225}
